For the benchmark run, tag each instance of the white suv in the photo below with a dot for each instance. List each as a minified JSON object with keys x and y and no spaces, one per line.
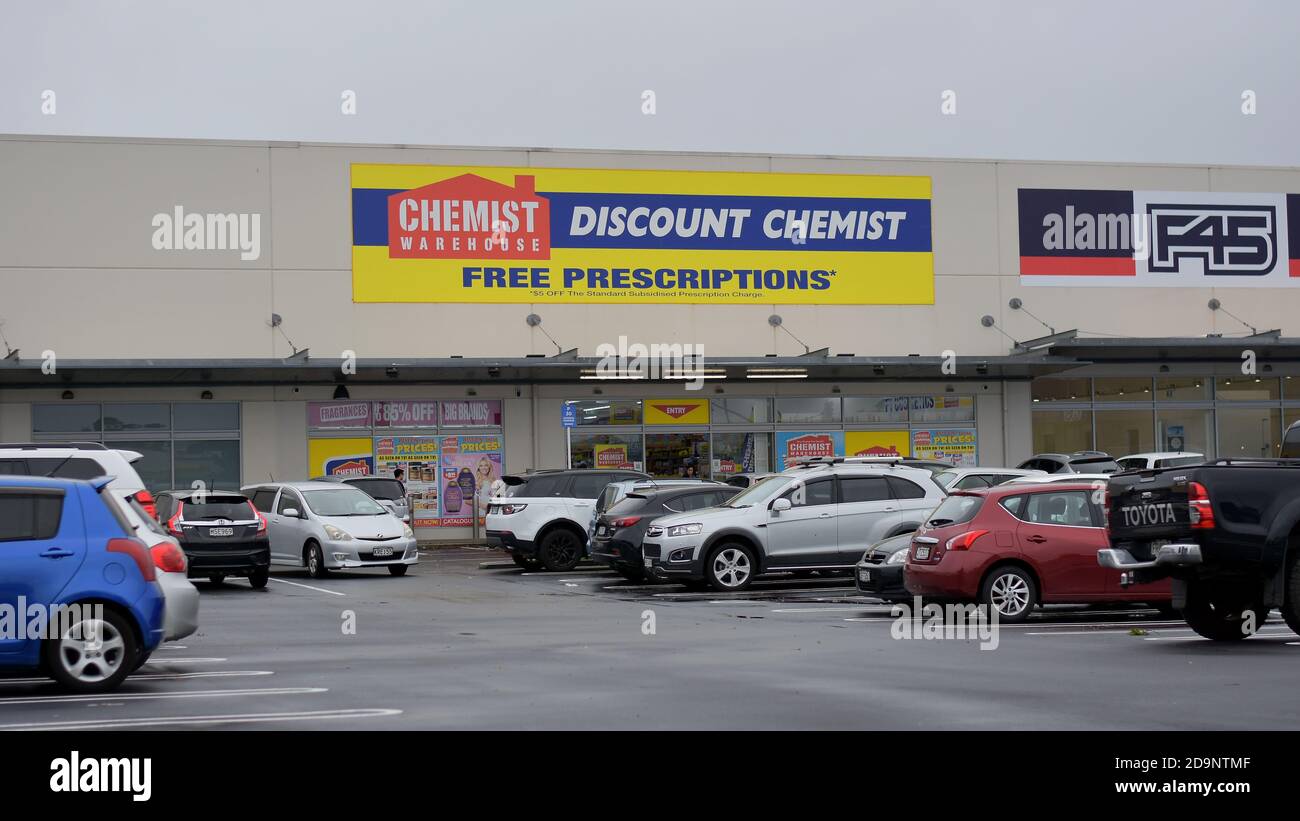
{"x":821,"y":517}
{"x":543,"y":517}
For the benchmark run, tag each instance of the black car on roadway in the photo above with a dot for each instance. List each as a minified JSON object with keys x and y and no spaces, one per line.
{"x":221,"y":533}
{"x":880,"y":570}
{"x":616,"y":540}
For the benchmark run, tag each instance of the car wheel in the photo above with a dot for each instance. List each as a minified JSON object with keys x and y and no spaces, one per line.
{"x":560,"y":550}
{"x":1221,"y":615}
{"x":258,"y":578}
{"x":397,"y":569}
{"x":525,"y":562}
{"x":216,"y":578}
{"x":142,"y":660}
{"x":316,"y":562}
{"x":1291,"y":595}
{"x":1010,"y":591}
{"x":730,"y":567}
{"x":93,"y":654}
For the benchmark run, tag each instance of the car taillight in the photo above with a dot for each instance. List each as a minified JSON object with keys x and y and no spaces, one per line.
{"x":1199,"y":511}
{"x":261,"y":520}
{"x":146,"y":500}
{"x":964,"y":540}
{"x":168,"y":558}
{"x":137,"y":551}
{"x":626,"y":521}
{"x":172,"y":527}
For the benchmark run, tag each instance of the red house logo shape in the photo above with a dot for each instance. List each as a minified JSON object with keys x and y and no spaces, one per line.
{"x":470,"y":217}
{"x":878,"y":450}
{"x":356,"y":467}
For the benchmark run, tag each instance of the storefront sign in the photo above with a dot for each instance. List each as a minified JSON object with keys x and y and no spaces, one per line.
{"x":942,"y":408}
{"x":1146,"y":239}
{"x":477,"y":413}
{"x":469,"y":466}
{"x":339,"y":457}
{"x":676,"y":411}
{"x":790,"y":447}
{"x":876,"y":443}
{"x":612,"y":456}
{"x":406,"y":414}
{"x":526,"y":235}
{"x":417,"y":457}
{"x":955,"y":445}
{"x":324,"y":415}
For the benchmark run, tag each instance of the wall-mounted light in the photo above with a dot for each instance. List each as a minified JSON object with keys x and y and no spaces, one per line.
{"x":69,"y":395}
{"x":471,"y":392}
{"x":206,"y":395}
{"x":341,"y":392}
{"x":392,"y":371}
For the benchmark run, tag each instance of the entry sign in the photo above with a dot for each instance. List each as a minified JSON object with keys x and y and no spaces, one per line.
{"x":569,"y":415}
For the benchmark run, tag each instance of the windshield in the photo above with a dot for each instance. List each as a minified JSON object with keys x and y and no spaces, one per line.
{"x":235,"y":508}
{"x":945,"y":478}
{"x":342,"y":502}
{"x":1179,"y":461}
{"x":761,"y":492}
{"x":389,"y":489}
{"x":1094,"y":464}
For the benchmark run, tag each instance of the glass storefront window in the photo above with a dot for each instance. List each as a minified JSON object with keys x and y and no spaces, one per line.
{"x":1181,"y":388}
{"x":1190,"y":430}
{"x":1061,"y":390}
{"x":1123,"y":432}
{"x":1247,"y":432}
{"x":213,"y":462}
{"x":943,"y":408}
{"x":875,"y":409}
{"x":80,"y":418}
{"x":206,"y":416}
{"x":677,"y":455}
{"x":608,"y":411}
{"x":155,"y":468}
{"x":808,"y":409}
{"x":1062,"y":431}
{"x":1247,"y":388}
{"x":1122,"y":389}
{"x":741,"y":410}
{"x":589,"y":450}
{"x":741,"y":453}
{"x":135,"y":416}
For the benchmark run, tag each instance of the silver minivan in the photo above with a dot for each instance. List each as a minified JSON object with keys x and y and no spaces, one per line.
{"x":326,"y":526}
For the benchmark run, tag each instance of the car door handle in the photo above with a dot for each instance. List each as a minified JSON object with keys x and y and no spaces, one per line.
{"x":1036,"y":539}
{"x":823,"y":516}
{"x":56,"y":553}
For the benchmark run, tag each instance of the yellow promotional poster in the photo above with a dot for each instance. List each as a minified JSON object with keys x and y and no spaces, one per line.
{"x":340,"y":457}
{"x":677,"y":411}
{"x":877,"y":443}
{"x":612,"y":456}
{"x":485,"y":234}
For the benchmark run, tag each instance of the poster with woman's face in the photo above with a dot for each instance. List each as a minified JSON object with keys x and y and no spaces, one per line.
{"x":468,"y":467}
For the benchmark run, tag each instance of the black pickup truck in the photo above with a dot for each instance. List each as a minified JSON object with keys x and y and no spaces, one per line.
{"x":1227,"y":532}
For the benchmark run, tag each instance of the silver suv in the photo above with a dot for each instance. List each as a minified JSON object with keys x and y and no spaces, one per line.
{"x":821,"y":517}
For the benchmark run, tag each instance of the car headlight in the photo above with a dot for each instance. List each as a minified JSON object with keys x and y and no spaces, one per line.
{"x":898,"y":556}
{"x":693,"y":529}
{"x":337,"y":534}
{"x":407,"y":532}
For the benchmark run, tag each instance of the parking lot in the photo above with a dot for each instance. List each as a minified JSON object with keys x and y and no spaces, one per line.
{"x":467,"y":640}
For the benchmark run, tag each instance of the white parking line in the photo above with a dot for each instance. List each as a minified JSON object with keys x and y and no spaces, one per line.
{"x":119,"y":696}
{"x":1123,"y":632}
{"x":308,"y":587}
{"x":1041,"y":624}
{"x":832,"y":609}
{"x":172,"y":647}
{"x":153,"y":676}
{"x":188,"y":660}
{"x":234,"y":718}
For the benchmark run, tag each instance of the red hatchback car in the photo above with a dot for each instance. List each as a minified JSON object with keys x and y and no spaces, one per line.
{"x":1015,"y":547}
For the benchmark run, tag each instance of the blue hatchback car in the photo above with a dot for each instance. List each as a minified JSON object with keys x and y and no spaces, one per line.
{"x":78,"y":596}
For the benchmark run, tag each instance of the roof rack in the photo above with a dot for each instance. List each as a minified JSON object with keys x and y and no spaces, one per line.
{"x":53,"y":445}
{"x":1247,"y":460}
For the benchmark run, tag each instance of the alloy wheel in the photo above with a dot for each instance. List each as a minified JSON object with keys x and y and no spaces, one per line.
{"x":1009,"y":594}
{"x":91,"y":650}
{"x":731,"y":567}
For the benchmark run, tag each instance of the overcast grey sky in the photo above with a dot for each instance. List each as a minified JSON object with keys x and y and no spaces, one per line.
{"x":1103,"y":80}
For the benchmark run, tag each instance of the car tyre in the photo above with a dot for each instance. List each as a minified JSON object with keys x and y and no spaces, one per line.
{"x":560,"y":550}
{"x":217,"y":578}
{"x":1222,"y":615}
{"x":258,"y":578}
{"x":1011,"y":591}
{"x":315,"y":560}
{"x":397,"y":569}
{"x":76,"y":663}
{"x":730,"y":568}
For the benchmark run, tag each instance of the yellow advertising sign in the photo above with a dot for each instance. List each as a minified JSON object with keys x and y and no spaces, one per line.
{"x":877,"y":443}
{"x":676,"y":411}
{"x":340,"y":457}
{"x":423,"y":233}
{"x":612,"y":456}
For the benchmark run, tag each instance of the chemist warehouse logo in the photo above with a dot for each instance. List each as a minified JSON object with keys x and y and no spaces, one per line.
{"x":1149,"y":238}
{"x":505,"y":235}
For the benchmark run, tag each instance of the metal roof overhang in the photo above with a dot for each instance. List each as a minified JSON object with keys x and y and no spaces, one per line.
{"x":565,"y":368}
{"x":1268,"y":347}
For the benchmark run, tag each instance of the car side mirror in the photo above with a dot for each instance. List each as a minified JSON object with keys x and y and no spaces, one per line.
{"x":780,"y":505}
{"x":292,"y":513}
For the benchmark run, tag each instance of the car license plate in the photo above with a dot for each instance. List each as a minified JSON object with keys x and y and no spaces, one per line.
{"x":865,"y":575}
{"x":649,"y":562}
{"x":923,"y":553}
{"x":221,"y":531}
{"x":382,"y":551}
{"x":600,"y":530}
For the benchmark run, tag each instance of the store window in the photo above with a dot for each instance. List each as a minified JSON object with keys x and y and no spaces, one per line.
{"x":155,"y":468}
{"x":66,"y":418}
{"x":608,"y":412}
{"x":137,"y":416}
{"x":808,"y":409}
{"x":1122,"y":389}
{"x":213,"y":462}
{"x":741,"y":453}
{"x":1062,"y":431}
{"x":873,"y":410}
{"x":1182,"y":389}
{"x":606,"y":450}
{"x":1062,"y":390}
{"x":677,"y":455}
{"x":742,"y":410}
{"x":1188,"y":430}
{"x":1247,"y":432}
{"x":942,"y":408}
{"x":1247,"y":389}
{"x":1121,"y":432}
